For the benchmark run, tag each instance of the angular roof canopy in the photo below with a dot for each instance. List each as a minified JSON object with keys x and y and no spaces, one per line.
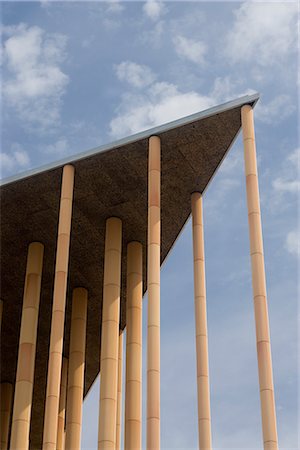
{"x":109,"y":181}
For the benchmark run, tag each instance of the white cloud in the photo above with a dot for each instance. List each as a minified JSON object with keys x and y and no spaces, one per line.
{"x":294,"y":158}
{"x":114,"y":6}
{"x":161,"y":102}
{"x":278,"y":109}
{"x":33,"y":82}
{"x":14,"y":160}
{"x":154,"y":9}
{"x":262,"y":32}
{"x":59,"y":148}
{"x":135,"y":74}
{"x":190,"y":49}
{"x":292,"y":243}
{"x":282,"y":185}
{"x":289,"y":182}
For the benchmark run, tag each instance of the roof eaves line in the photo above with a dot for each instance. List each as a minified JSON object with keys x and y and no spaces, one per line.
{"x":247,"y":99}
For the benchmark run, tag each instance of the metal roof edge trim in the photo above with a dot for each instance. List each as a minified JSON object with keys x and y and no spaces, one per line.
{"x":247,"y":99}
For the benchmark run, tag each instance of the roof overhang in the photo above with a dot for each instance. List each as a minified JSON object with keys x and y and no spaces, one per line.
{"x":110,"y":180}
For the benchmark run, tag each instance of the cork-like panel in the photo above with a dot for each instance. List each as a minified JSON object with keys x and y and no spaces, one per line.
{"x":107,"y":184}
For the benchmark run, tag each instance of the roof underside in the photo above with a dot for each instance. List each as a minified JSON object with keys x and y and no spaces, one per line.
{"x":107,"y":183}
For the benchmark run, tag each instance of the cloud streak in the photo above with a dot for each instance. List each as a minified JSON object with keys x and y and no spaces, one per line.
{"x":34,"y":82}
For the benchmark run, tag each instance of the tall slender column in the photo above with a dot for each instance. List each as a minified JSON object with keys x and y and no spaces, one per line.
{"x":133,"y":392}
{"x":62,"y":406}
{"x":58,"y":310}
{"x":153,"y":328}
{"x":110,"y":335}
{"x":119,"y":397}
{"x":6,"y":405}
{"x":204,"y":419}
{"x":76,"y":369}
{"x":27,"y":347}
{"x":259,"y":285}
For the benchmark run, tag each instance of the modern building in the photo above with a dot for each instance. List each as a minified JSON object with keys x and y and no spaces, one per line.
{"x":81,"y":241}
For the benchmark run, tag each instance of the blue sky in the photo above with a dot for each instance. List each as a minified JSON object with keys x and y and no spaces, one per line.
{"x":79,"y":74}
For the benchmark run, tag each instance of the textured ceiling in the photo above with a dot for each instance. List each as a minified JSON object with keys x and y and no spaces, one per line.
{"x":111,"y":183}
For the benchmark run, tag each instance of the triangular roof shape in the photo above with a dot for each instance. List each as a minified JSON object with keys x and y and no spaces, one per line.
{"x":109,"y":181}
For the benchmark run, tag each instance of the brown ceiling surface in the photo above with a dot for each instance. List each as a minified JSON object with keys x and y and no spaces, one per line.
{"x":112,"y":183}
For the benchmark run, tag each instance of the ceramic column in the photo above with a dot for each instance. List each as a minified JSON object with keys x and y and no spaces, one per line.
{"x":153,"y":326}
{"x":27,"y":348}
{"x":133,"y":390}
{"x":119,"y":397}
{"x":110,"y":335}
{"x":60,"y":445}
{"x":204,"y":419}
{"x":76,"y":369}
{"x":259,"y":284}
{"x":58,"y":310}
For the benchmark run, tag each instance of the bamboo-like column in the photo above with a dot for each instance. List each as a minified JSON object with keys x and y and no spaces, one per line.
{"x":76,"y":369}
{"x":153,"y":327}
{"x":27,"y":349}
{"x":62,"y":406}
{"x":259,"y":285}
{"x":133,"y":390}
{"x":204,"y":419}
{"x":110,"y":335}
{"x":119,"y":397}
{"x":58,"y":310}
{"x":6,"y":397}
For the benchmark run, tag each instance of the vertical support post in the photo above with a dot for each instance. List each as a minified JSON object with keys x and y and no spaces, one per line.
{"x":58,"y":310}
{"x":27,"y":348}
{"x":133,"y":390}
{"x":153,"y":327}
{"x":204,"y":419}
{"x":62,"y":406}
{"x":259,"y":284}
{"x":6,"y":406}
{"x":110,"y":335}
{"x":119,"y":395}
{"x":76,"y":369}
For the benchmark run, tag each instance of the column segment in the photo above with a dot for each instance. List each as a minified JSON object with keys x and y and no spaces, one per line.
{"x":6,"y":406}
{"x":119,"y":396}
{"x":62,"y":406}
{"x":76,"y":369}
{"x":153,"y":327}
{"x":27,"y":348}
{"x":204,"y":419}
{"x":110,"y":335}
{"x":58,"y":310}
{"x":259,"y":284}
{"x":133,"y":390}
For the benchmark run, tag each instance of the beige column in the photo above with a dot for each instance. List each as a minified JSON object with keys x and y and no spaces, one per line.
{"x":204,"y":419}
{"x":76,"y":369}
{"x":153,"y":327}
{"x":27,"y":347}
{"x":133,"y":390}
{"x":62,"y":406}
{"x":259,"y":285}
{"x":110,"y":335}
{"x":6,"y":406}
{"x":58,"y":310}
{"x":119,"y":396}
